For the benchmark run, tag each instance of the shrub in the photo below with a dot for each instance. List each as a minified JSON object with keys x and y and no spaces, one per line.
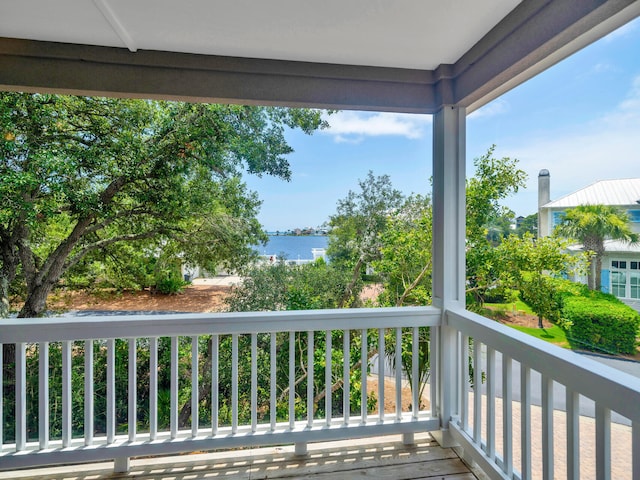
{"x":600,"y":322}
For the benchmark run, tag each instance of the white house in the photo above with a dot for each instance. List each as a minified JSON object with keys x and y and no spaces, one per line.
{"x":621,"y":263}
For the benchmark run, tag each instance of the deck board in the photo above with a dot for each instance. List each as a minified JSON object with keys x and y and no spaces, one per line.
{"x":380,"y":458}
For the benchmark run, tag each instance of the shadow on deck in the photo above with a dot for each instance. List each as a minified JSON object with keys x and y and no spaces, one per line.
{"x":375,"y":458}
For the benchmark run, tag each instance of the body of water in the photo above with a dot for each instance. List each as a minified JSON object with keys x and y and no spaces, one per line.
{"x":293,"y":247}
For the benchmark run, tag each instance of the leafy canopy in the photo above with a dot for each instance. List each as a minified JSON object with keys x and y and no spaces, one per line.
{"x":80,"y":174}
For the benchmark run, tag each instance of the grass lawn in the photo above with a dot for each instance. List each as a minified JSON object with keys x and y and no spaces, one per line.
{"x":553,"y":334}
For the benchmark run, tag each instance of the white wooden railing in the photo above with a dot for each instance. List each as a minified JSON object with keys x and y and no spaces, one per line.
{"x":89,"y":345}
{"x":498,"y":432}
{"x":490,"y":374}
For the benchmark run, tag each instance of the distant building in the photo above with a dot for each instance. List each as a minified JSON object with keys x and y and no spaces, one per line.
{"x":621,"y":263}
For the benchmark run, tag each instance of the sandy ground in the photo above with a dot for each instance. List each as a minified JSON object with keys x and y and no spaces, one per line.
{"x":194,"y":299}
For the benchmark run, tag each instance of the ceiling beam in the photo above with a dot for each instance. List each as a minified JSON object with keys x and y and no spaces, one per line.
{"x":28,"y":65}
{"x":534,"y":36}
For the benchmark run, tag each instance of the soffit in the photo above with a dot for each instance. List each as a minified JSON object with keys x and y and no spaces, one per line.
{"x":385,"y":55}
{"x":413,"y":34}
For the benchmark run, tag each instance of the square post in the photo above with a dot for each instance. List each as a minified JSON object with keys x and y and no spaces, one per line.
{"x":448,"y":248}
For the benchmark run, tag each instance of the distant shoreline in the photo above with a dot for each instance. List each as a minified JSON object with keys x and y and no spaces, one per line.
{"x":291,"y":234}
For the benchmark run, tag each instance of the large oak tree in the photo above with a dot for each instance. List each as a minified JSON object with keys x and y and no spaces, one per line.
{"x":81,"y":174}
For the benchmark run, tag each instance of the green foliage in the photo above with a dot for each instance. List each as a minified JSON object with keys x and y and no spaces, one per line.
{"x":356,"y":228}
{"x":281,"y":286}
{"x":81,"y":175}
{"x":494,"y":180}
{"x":529,"y":265}
{"x":601,"y":323}
{"x":405,"y":261}
{"x":591,"y":225}
{"x":528,"y":225}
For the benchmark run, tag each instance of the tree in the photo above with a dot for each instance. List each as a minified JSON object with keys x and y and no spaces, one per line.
{"x":494,"y":180}
{"x":81,"y":174}
{"x":529,"y":264}
{"x":360,"y":219}
{"x":405,"y":262}
{"x":591,"y":225}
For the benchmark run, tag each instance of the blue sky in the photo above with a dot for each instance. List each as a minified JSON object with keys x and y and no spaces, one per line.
{"x":579,"y":119}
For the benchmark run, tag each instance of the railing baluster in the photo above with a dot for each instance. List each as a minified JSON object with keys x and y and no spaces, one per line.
{"x":153,"y":388}
{"x":234,"y":383}
{"x":573,"y":434}
{"x":254,"y":382}
{"x":635,"y":448}
{"x":434,"y":356}
{"x":310,"y":354}
{"x":364,"y":365}
{"x":292,"y":379}
{"x":381,"y":373}
{"x":21,"y":396}
{"x":464,"y":383}
{"x":346,"y":376}
{"x":398,"y":373}
{"x":215,"y":404}
{"x":273,"y":381}
{"x":477,"y":393}
{"x":491,"y":403}
{"x":507,"y":417}
{"x":328,"y":383}
{"x":603,"y":442}
{"x":547,"y":428}
{"x":133,"y":390}
{"x":195,"y":388}
{"x":415,"y":364}
{"x":173,"y":414}
{"x":111,"y":390}
{"x":1,"y":396}
{"x":43,"y":394}
{"x":88,"y":392}
{"x":525,"y":422}
{"x":66,"y":394}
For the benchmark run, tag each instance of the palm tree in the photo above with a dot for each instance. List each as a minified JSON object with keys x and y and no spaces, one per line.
{"x":592,"y":225}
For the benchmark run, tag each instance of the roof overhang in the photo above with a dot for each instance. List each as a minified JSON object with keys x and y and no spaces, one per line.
{"x":513,"y":43}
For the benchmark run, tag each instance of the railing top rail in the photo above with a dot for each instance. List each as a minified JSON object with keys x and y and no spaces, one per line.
{"x":608,"y":386}
{"x":55,"y":329}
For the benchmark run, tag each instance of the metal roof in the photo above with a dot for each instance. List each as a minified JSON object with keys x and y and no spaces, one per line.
{"x":623,"y":192}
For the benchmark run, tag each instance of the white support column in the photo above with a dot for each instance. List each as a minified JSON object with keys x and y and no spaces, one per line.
{"x":448,"y":247}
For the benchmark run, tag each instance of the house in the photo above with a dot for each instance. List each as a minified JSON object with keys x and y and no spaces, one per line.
{"x":446,"y":59}
{"x":621,"y":262}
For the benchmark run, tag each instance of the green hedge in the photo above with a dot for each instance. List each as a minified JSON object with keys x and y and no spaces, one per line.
{"x":600,"y":322}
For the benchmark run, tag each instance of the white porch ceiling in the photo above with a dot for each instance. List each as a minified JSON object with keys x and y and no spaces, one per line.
{"x":386,"y":55}
{"x":414,"y":34}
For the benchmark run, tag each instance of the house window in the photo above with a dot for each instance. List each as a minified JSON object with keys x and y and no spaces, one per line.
{"x":557,"y":218}
{"x":634,"y":216}
{"x":625,"y":278}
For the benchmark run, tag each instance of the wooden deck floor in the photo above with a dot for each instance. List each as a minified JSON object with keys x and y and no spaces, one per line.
{"x":384,"y":458}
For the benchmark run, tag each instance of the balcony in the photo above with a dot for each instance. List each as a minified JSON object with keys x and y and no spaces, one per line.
{"x":479,"y":396}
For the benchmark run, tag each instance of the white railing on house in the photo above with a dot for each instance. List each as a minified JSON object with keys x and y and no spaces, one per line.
{"x":500,"y":370}
{"x":491,"y":374}
{"x":113,"y":376}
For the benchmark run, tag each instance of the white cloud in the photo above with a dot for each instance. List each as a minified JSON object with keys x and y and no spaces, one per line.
{"x":605,"y":148}
{"x":491,"y":109}
{"x":353,"y":127}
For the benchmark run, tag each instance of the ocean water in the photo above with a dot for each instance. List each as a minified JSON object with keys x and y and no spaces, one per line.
{"x":292,"y":247}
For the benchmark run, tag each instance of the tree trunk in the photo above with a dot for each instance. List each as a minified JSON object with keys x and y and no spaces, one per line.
{"x":36,"y":302}
{"x":354,"y":279}
{"x":4,"y":296}
{"x":598,"y":273}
